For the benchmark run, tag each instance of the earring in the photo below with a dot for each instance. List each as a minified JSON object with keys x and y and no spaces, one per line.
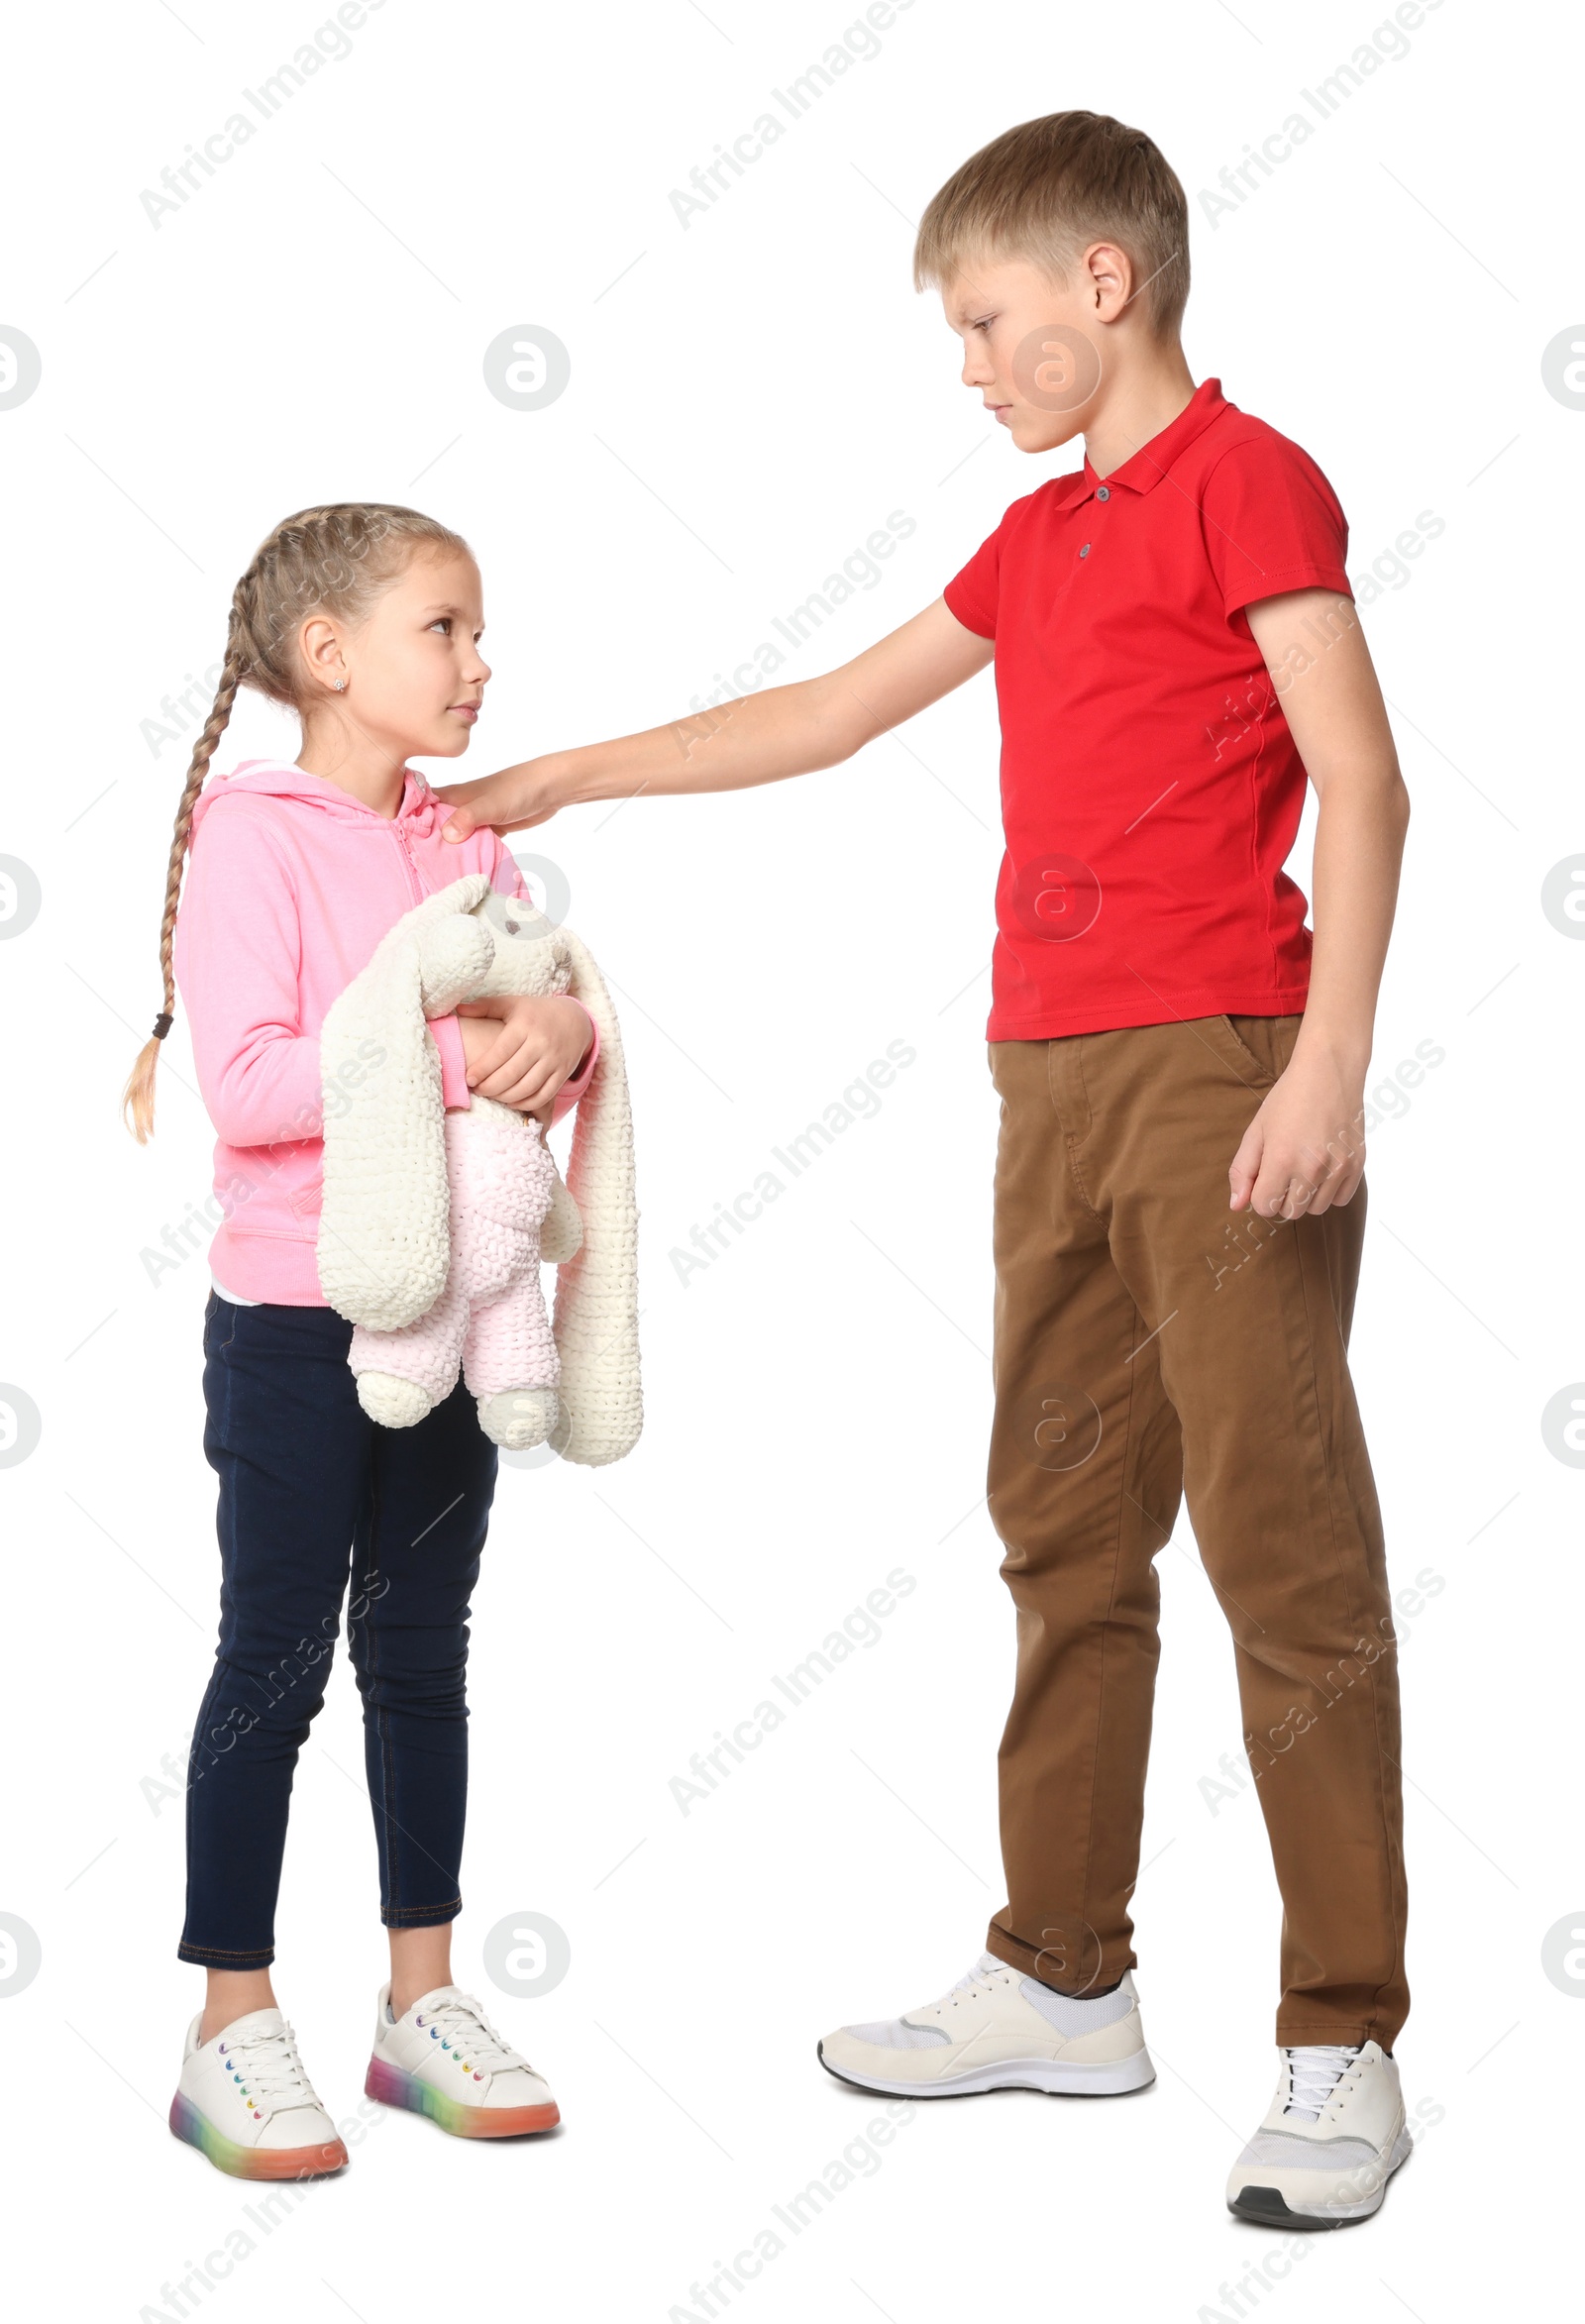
{"x":341,"y":686}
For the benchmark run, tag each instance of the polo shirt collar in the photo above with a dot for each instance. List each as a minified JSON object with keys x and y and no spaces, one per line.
{"x":1144,"y":468}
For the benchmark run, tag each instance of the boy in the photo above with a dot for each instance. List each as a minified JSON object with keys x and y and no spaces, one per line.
{"x":1175,"y":652}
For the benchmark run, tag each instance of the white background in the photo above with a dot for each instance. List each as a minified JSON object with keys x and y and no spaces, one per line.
{"x":750,"y":397}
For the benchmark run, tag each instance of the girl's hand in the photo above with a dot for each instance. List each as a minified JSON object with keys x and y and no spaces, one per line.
{"x":520,"y":1052}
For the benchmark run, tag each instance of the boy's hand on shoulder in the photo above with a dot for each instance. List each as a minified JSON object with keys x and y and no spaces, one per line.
{"x":520,"y":1052}
{"x":513,"y":799}
{"x":1305,"y":1149}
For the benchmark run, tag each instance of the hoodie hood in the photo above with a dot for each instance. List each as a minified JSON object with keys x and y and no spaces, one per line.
{"x":421,"y":812}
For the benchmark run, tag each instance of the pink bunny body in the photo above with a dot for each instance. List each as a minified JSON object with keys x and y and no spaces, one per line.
{"x":490,"y":1321}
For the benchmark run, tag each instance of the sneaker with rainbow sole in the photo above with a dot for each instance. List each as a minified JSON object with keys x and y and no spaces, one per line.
{"x":244,"y":2100}
{"x":444,"y":2059}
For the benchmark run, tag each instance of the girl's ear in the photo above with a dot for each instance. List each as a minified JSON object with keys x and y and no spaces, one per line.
{"x":597,"y":1295}
{"x":319,"y":649}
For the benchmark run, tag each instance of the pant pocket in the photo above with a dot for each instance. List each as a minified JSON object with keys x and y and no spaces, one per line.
{"x":1261,"y":1045}
{"x":220,"y":1326}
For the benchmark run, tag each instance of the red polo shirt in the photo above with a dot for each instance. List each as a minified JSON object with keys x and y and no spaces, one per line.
{"x":1150,"y":788}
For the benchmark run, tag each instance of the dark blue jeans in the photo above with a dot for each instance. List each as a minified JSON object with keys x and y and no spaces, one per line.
{"x":313,"y":1494}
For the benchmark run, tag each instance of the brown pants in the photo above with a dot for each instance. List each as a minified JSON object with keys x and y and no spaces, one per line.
{"x":1150,"y":1343}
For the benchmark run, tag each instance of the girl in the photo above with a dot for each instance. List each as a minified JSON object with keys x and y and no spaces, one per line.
{"x":366,"y":621}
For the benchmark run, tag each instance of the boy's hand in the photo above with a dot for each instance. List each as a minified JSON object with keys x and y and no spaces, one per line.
{"x":1304,"y":1149}
{"x":513,"y":799}
{"x":520,"y":1052}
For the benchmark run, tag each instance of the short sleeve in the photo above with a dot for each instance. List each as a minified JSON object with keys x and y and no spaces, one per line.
{"x":972,"y":595}
{"x":1272,"y":523}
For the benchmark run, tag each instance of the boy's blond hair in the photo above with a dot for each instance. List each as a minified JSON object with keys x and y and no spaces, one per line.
{"x":1049,"y":187}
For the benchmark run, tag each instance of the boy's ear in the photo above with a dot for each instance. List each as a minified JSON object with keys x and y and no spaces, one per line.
{"x":1107,"y":275}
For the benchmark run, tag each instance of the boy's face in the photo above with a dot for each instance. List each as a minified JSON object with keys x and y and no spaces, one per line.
{"x":1032,"y":344}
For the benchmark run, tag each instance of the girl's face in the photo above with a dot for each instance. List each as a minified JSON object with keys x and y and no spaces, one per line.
{"x":415,"y":677}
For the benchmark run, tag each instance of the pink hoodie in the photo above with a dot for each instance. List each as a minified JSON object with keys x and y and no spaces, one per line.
{"x":291,"y":885}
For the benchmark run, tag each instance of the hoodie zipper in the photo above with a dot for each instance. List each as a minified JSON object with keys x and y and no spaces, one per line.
{"x":399,"y":834}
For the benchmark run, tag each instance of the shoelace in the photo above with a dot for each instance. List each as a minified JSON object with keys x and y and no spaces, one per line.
{"x":463,"y":2025}
{"x":978,"y":1976}
{"x":1313,"y":2075}
{"x":269,"y":2070}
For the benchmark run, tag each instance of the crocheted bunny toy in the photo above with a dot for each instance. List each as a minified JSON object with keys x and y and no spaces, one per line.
{"x":435,"y":1224}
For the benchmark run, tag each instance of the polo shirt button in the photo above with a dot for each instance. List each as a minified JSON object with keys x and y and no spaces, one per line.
{"x":1084,"y":551}
{"x":1103,"y":492}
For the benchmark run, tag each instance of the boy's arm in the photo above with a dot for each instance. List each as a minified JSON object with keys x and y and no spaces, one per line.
{"x":758,"y":738}
{"x":1304,"y":1149}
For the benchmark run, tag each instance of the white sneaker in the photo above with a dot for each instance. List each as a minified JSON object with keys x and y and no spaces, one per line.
{"x":999,"y":2030}
{"x":445,"y":2059}
{"x":245,"y":2101}
{"x":1332,"y":2136}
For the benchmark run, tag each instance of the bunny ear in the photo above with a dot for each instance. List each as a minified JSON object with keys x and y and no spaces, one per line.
{"x":385,"y":1243}
{"x":596,"y":1293}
